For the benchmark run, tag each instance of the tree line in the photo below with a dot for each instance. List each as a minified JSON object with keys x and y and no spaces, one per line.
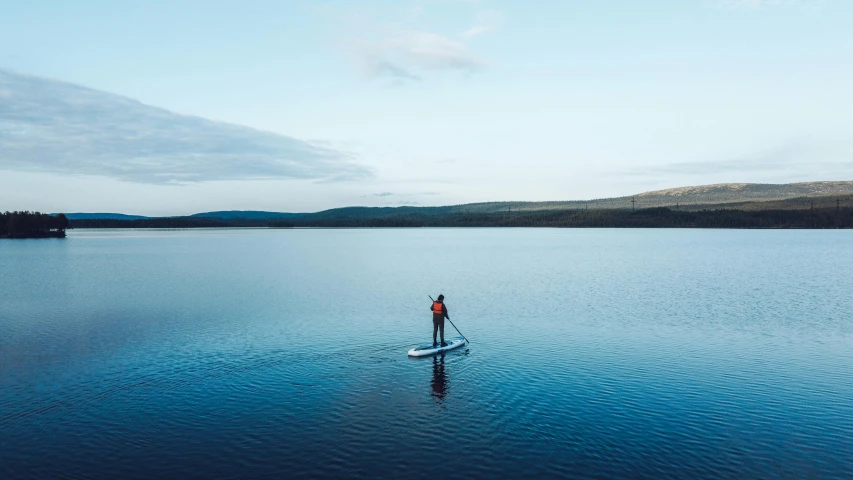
{"x":32,"y":225}
{"x":659,"y":217}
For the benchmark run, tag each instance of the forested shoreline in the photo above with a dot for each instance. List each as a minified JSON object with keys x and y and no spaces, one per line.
{"x":661,"y":217}
{"x":41,"y":225}
{"x":32,"y":225}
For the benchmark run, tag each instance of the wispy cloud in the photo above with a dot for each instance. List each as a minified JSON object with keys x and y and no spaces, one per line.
{"x":412,"y":55}
{"x":407,"y":52}
{"x":766,"y":3}
{"x":433,"y":51}
{"x":475,"y":31}
{"x":787,"y":162}
{"x":401,"y":195}
{"x":58,"y":127}
{"x":377,"y":65}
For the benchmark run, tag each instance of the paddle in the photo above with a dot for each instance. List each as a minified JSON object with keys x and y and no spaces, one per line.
{"x":451,"y":322}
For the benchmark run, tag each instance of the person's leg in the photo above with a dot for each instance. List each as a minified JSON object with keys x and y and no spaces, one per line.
{"x":441,"y":327}
{"x":435,"y":331}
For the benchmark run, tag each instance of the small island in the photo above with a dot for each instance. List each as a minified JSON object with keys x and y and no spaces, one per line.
{"x":32,"y":225}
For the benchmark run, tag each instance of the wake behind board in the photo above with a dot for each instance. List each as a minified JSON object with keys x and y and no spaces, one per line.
{"x":425,"y":350}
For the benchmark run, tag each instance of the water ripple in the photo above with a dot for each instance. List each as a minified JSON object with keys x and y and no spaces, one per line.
{"x":594,"y":354}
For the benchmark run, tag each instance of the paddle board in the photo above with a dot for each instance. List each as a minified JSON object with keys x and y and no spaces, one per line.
{"x":428,"y":349}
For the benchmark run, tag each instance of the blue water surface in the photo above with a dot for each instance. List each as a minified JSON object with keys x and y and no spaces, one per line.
{"x":594,"y":353}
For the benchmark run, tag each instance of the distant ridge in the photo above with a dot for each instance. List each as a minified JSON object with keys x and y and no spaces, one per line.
{"x":744,"y":192}
{"x":750,"y":196}
{"x":702,"y":196}
{"x":109,"y":216}
{"x":248,"y":214}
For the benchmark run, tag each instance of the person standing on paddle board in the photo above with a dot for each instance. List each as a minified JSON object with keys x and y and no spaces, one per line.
{"x":439,"y":313}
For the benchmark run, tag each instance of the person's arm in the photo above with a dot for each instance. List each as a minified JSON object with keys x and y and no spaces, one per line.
{"x":444,"y":311}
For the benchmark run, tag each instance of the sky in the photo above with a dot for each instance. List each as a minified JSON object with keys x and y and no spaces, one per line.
{"x":176,"y":107}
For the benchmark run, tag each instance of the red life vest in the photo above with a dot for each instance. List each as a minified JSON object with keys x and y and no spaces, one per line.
{"x":436,"y":308}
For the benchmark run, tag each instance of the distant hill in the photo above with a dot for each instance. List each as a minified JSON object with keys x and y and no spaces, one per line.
{"x":247,"y":214}
{"x":742,"y":192}
{"x":108,"y":216}
{"x":704,"y":196}
{"x":807,"y":212}
{"x":742,"y":196}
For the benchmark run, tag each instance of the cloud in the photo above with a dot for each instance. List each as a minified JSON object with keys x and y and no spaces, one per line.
{"x":435,"y":52}
{"x":380,"y":67}
{"x":765,"y":3}
{"x":406,"y":53}
{"x":411,"y":56}
{"x":59,"y":127}
{"x":475,"y":31}
{"x":390,"y":194}
{"x":791,"y":162}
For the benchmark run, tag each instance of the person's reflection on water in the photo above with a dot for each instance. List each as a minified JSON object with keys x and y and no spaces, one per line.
{"x":439,"y":380}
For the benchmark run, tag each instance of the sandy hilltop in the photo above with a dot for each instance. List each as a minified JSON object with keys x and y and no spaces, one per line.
{"x":723,"y":195}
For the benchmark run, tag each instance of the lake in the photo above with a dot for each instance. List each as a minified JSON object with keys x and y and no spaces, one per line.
{"x":594,"y":353}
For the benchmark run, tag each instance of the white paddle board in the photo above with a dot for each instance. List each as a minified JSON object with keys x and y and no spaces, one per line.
{"x":428,"y":349}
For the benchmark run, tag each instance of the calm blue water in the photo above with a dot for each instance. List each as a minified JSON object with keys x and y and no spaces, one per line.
{"x":282,"y":353}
